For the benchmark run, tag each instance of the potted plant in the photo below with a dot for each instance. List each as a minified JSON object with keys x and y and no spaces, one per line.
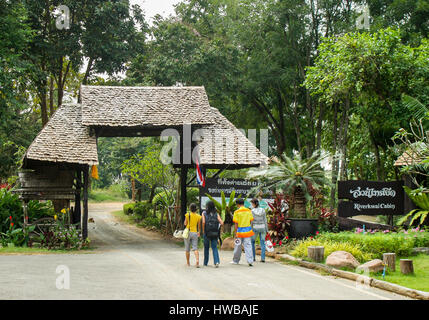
{"x":300,"y":179}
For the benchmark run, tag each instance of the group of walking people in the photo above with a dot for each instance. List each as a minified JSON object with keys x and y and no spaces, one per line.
{"x":248,"y":225}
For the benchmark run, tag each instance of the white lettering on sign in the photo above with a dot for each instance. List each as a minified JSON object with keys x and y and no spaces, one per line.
{"x":360,"y":207}
{"x":371,"y":192}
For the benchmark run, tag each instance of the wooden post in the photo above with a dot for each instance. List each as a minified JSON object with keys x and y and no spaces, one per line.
{"x":77,"y":215}
{"x":183,"y":196}
{"x":390,"y":260}
{"x":406,"y":266}
{"x":25,"y":209}
{"x":316,"y":253}
{"x":85,"y":202}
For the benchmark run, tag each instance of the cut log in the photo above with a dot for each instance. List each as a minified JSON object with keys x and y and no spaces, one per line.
{"x":390,"y":260}
{"x":316,"y":253}
{"x":406,"y":266}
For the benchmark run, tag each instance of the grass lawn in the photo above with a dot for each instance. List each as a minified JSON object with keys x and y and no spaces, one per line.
{"x":111,"y":194}
{"x":38,"y":251}
{"x":419,"y":280}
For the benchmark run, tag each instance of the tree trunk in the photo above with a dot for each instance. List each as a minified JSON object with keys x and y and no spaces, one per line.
{"x":406,"y":266}
{"x":315,"y":253}
{"x":390,"y":260}
{"x":377,"y":156}
{"x":299,"y":203}
{"x":51,"y":96}
{"x":152,"y":194}
{"x":43,"y":106}
{"x":334,"y":158}
{"x":344,"y":140}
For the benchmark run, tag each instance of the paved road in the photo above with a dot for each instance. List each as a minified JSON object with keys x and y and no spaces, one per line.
{"x":131,"y":263}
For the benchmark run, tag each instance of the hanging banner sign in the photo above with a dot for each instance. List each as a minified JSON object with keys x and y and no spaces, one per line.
{"x":214,"y":187}
{"x":370,"y":198}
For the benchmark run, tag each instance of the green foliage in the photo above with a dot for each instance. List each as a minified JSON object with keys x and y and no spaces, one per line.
{"x":128,"y":208}
{"x":290,"y":174}
{"x":63,"y":236}
{"x":11,"y":206}
{"x":115,"y":192}
{"x":378,"y":243}
{"x":225,"y":209}
{"x":300,"y":249}
{"x":151,"y":222}
{"x":420,"y":215}
{"x":142,"y":209}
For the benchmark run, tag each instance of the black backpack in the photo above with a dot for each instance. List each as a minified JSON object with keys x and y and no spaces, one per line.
{"x":211,"y":226}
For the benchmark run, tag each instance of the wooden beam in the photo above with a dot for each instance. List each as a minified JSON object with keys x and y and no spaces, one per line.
{"x":77,"y":214}
{"x":85,"y":202}
{"x":183,"y":195}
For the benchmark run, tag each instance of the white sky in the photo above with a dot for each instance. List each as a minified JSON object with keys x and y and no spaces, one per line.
{"x":153,"y":7}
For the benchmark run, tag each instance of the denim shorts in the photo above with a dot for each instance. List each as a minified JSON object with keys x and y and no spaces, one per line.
{"x":192,"y":240}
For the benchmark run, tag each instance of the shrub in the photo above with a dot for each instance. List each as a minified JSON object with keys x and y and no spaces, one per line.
{"x":10,"y":205}
{"x":381,"y":242}
{"x":128,"y":208}
{"x":142,"y":209}
{"x":356,"y":250}
{"x":151,"y":222}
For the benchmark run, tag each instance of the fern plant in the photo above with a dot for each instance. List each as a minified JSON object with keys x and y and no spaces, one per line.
{"x":422,"y":201}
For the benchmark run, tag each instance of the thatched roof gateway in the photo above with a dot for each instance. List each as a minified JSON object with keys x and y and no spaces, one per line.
{"x":68,"y":137}
{"x":144,"y":106}
{"x":223,"y":144}
{"x":65,"y":139}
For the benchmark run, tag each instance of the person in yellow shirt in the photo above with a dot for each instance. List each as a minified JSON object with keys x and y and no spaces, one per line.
{"x":193,"y":223}
{"x":243,"y":233}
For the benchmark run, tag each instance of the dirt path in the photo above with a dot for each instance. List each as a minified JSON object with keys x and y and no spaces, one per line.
{"x":132,"y":263}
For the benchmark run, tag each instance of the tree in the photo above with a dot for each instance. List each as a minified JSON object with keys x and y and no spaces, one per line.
{"x":17,"y":124}
{"x":148,"y":169}
{"x":364,"y":75}
{"x":55,"y":53}
{"x":295,"y":177}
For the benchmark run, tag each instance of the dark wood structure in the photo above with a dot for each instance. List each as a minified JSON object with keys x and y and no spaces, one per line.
{"x":68,"y":142}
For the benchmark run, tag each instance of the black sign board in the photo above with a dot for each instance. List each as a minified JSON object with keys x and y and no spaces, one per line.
{"x":215,"y":186}
{"x":370,"y":198}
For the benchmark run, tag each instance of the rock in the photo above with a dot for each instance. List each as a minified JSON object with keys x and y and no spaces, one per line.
{"x":228,"y":244}
{"x":424,"y":250}
{"x":340,"y":259}
{"x":372,"y":266}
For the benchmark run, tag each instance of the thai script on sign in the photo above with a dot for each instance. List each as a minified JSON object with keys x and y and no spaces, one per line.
{"x":371,"y":192}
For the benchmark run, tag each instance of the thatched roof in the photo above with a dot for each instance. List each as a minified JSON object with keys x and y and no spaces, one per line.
{"x":223,"y":144}
{"x":67,"y":136}
{"x":65,"y":139}
{"x":414,"y":155}
{"x":144,"y":106}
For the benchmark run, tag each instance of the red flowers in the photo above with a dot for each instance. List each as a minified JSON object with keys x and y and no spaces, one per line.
{"x":280,"y":243}
{"x":287,"y":237}
{"x":11,"y":224}
{"x":317,"y":232}
{"x":10,"y":218}
{"x":274,"y":244}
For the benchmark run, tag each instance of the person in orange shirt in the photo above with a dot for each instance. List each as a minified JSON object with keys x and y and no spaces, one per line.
{"x":243,"y":233}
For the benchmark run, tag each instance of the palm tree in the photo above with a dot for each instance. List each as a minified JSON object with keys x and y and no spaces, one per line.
{"x":293,"y":176}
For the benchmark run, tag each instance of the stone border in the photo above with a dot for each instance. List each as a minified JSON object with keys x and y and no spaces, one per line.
{"x":384,"y":285}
